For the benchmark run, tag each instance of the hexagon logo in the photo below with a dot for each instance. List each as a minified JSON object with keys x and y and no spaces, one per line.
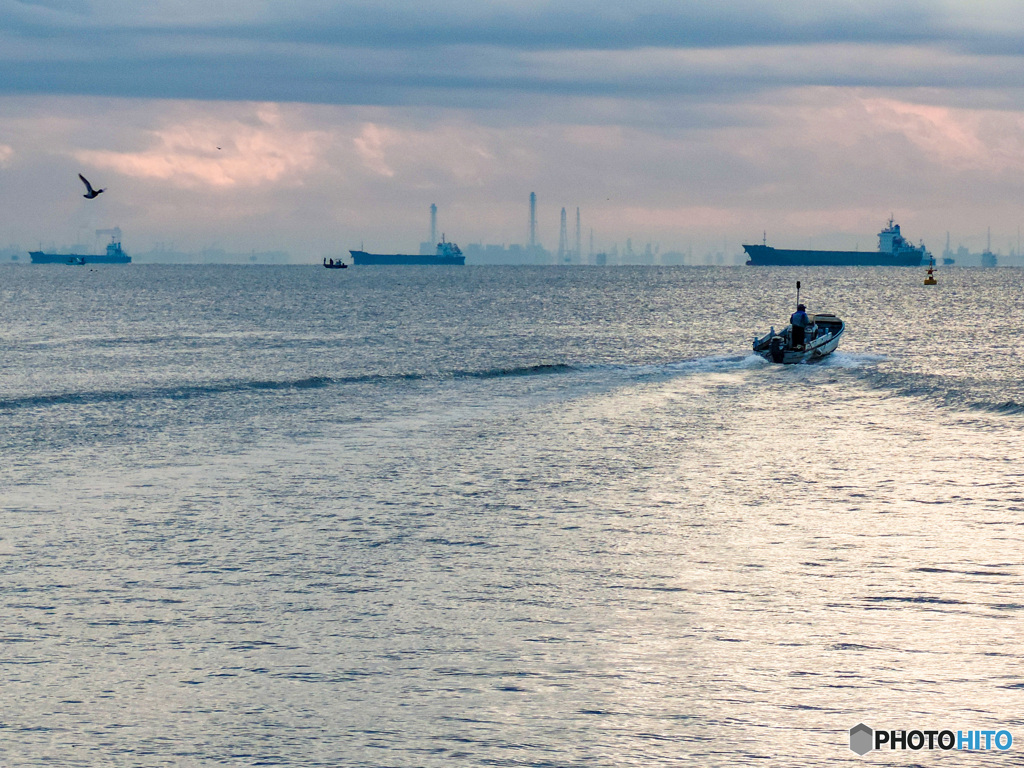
{"x":861,"y":738}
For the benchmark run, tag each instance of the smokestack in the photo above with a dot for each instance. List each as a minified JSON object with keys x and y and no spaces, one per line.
{"x":433,"y":224}
{"x":579,"y":243}
{"x":533,"y":219}
{"x":563,"y":239}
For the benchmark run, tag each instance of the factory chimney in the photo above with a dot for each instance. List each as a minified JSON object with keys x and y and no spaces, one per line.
{"x":533,"y":220}
{"x":433,"y":223}
{"x":563,"y":240}
{"x":579,"y":243}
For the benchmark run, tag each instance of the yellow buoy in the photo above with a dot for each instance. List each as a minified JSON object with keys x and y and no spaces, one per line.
{"x":930,"y":280}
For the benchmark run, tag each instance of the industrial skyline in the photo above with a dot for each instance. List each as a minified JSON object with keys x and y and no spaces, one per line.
{"x":311,"y":127}
{"x":534,"y":252}
{"x":972,"y":249}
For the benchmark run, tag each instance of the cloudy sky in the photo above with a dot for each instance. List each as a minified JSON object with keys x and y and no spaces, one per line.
{"x":315,"y":126}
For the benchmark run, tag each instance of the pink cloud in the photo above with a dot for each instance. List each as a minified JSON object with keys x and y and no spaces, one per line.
{"x":212,"y":152}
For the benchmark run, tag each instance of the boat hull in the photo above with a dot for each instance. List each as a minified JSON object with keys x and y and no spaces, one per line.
{"x":38,"y":257}
{"x":778,"y":348}
{"x":362,"y":258}
{"x":765,"y":255}
{"x":795,"y":357}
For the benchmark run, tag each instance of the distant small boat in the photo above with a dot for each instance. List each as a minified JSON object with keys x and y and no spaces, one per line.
{"x":332,"y":264}
{"x":76,"y":261}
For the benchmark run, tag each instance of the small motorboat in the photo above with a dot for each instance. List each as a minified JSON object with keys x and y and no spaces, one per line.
{"x":820,"y":341}
{"x":821,"y":338}
{"x":332,"y":264}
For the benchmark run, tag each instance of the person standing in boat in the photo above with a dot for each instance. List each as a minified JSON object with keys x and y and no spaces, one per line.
{"x":800,"y":321}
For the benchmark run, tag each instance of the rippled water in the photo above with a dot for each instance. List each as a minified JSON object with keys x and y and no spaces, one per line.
{"x":503,"y":516}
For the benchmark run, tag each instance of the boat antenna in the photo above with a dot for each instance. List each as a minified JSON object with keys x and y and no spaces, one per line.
{"x":798,"y":293}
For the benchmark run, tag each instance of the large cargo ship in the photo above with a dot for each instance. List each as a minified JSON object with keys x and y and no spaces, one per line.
{"x":448,"y":254}
{"x":114,"y":255}
{"x":893,"y":251}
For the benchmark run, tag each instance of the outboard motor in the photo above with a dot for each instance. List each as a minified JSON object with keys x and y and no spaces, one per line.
{"x":775,"y":348}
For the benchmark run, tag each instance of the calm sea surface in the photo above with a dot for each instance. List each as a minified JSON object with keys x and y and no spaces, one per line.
{"x":504,"y":516}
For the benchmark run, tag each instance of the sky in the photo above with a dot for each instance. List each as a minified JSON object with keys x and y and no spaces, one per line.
{"x":316,"y":127}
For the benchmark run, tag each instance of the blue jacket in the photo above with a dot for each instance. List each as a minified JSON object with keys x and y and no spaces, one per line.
{"x":800,"y":319}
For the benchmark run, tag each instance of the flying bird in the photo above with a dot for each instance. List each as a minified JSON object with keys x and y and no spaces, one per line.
{"x":90,"y":193}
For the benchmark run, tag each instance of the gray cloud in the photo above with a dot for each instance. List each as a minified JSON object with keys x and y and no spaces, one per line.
{"x":662,"y":120}
{"x":468,"y":54}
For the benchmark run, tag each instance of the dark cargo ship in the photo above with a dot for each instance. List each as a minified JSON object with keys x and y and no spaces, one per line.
{"x":114,"y":255}
{"x":893,"y":251}
{"x":448,"y":254}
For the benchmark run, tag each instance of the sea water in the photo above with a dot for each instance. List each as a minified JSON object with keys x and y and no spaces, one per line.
{"x":503,"y":516}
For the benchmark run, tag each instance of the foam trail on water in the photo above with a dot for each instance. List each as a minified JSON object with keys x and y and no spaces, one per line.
{"x":718,"y":363}
{"x":852,"y":360}
{"x":709,"y":364}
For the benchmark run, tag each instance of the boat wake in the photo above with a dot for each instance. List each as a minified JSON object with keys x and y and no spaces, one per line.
{"x":725,"y":363}
{"x":850,"y":360}
{"x":718,"y":364}
{"x":184,"y":392}
{"x":639,"y":372}
{"x":190,"y":391}
{"x":525,"y":370}
{"x":940,"y":391}
{"x":711,"y":364}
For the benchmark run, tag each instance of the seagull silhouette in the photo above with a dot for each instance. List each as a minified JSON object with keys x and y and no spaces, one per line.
{"x":91,"y":193}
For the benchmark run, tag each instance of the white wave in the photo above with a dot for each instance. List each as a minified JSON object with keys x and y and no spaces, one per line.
{"x":716,"y":364}
{"x":710,"y":364}
{"x":726,"y":363}
{"x":852,"y":360}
